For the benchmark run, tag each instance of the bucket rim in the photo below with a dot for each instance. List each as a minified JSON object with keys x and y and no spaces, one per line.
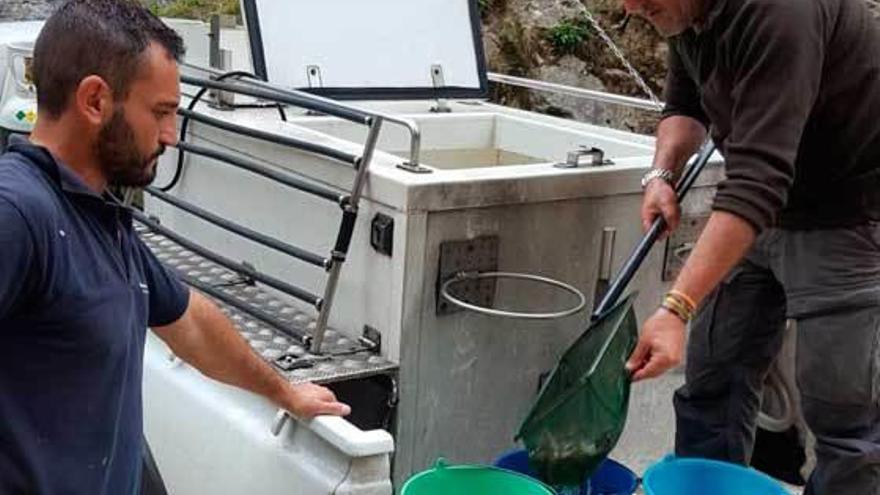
{"x":672,"y":459}
{"x":441,"y":465}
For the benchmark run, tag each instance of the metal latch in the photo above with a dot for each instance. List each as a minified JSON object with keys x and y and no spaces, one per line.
{"x":585,"y":157}
{"x":290,"y":362}
{"x":439,"y":83}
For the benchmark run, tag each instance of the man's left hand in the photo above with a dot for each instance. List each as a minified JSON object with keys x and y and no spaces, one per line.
{"x":660,"y":347}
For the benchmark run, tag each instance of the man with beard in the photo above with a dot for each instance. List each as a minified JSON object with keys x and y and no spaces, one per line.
{"x":790,"y":88}
{"x":78,"y":289}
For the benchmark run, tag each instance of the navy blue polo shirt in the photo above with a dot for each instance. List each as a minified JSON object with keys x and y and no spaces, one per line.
{"x":78,"y":289}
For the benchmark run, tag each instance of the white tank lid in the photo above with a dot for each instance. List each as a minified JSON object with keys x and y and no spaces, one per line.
{"x":380,"y":49}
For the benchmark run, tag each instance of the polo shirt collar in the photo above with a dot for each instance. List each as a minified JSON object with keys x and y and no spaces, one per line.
{"x":57,"y":170}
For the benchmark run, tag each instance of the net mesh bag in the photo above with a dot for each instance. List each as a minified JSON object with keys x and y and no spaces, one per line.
{"x":581,"y":409}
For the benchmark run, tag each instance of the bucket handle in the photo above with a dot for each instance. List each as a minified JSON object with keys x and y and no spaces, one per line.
{"x":474,"y":275}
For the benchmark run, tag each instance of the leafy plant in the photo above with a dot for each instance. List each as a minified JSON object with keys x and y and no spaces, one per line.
{"x":195,"y":9}
{"x":568,"y":35}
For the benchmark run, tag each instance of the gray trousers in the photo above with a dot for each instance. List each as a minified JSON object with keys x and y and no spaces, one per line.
{"x":829,"y":281}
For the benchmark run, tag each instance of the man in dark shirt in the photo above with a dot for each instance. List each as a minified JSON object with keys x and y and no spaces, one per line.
{"x":77,"y":287}
{"x":791,"y":93}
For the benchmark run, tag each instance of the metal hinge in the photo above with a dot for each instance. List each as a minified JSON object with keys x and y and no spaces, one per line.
{"x":439,"y":83}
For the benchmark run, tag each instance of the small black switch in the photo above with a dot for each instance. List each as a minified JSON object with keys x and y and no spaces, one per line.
{"x":382,"y":234}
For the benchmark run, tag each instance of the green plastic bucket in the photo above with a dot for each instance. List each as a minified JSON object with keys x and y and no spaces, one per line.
{"x":464,"y":479}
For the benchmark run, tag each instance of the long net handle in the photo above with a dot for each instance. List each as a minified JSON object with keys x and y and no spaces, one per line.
{"x":637,"y":257}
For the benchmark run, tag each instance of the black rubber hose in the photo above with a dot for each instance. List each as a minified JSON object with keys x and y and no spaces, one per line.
{"x":184,"y":124}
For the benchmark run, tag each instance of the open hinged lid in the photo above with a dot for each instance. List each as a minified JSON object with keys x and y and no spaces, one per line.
{"x":356,"y":49}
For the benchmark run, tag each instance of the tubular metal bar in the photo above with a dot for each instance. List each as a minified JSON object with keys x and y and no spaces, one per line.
{"x":644,"y":246}
{"x":327,"y":151}
{"x":245,"y":232}
{"x":415,"y":135}
{"x":462,"y":276}
{"x":415,"y":143}
{"x":259,"y":169}
{"x":273,"y":282}
{"x":627,"y":101}
{"x":367,"y":158}
{"x":343,"y":238}
{"x":244,"y":308}
{"x":299,"y":99}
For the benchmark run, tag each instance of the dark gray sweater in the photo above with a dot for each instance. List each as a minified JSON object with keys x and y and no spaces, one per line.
{"x":792,"y":91}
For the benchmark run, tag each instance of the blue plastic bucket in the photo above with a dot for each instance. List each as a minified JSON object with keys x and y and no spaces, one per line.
{"x":612,"y":478}
{"x":688,"y":476}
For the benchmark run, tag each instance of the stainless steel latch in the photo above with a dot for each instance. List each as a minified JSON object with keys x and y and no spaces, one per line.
{"x":585,"y":157}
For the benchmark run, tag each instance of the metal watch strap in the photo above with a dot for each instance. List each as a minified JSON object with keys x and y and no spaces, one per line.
{"x":658,"y":173}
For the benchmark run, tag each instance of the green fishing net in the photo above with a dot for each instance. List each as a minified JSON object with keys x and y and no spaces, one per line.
{"x":581,"y":409}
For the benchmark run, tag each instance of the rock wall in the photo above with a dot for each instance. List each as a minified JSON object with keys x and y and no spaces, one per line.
{"x":20,"y":10}
{"x":518,"y":37}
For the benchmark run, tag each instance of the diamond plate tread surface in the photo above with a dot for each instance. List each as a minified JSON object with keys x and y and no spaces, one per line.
{"x":343,"y":358}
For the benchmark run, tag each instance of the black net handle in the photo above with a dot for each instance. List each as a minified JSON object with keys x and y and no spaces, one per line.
{"x":632,"y":264}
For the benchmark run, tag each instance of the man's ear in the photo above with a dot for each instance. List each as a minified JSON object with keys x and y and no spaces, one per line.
{"x":94,"y":100}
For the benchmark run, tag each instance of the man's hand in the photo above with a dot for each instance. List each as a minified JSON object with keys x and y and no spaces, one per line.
{"x":308,"y":400}
{"x":660,"y":346}
{"x":660,"y":200}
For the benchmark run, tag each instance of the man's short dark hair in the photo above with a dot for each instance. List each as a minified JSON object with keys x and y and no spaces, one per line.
{"x":106,"y":38}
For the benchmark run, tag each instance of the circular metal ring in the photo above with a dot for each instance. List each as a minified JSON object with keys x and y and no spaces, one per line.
{"x":462,"y":276}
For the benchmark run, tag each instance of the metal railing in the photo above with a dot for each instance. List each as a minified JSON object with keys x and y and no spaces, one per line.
{"x":348,"y":202}
{"x":411,"y":126}
{"x":318,"y":149}
{"x":589,"y":94}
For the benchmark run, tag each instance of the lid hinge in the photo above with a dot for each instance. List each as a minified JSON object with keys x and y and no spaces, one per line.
{"x":439,"y":82}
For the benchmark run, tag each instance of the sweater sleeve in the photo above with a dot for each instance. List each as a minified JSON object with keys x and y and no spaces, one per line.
{"x":680,"y":93}
{"x":775,"y":51}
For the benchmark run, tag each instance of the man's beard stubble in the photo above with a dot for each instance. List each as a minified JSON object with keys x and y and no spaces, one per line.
{"x":119,"y":157}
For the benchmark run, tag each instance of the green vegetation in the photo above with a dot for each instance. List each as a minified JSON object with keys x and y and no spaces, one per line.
{"x":568,"y":35}
{"x":194,"y":9}
{"x":491,"y":7}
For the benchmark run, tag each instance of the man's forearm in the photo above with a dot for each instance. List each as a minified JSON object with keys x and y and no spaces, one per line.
{"x":207,"y":339}
{"x":678,"y":138}
{"x":724,"y":241}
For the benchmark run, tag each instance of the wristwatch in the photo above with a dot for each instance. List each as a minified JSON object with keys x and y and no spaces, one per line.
{"x":658,"y":173}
